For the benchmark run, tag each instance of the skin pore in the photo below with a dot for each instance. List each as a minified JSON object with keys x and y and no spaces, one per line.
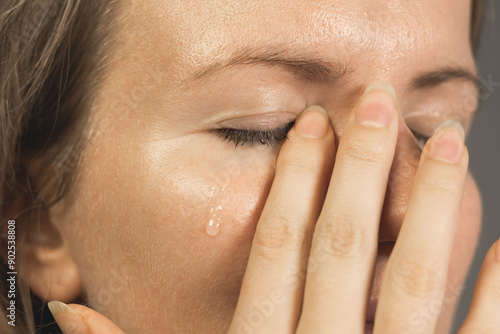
{"x":158,"y":228}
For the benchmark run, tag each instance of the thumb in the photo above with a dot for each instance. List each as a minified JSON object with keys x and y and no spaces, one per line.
{"x":79,"y":319}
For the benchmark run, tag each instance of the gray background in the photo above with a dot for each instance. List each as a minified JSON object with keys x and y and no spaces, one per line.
{"x":484,"y":147}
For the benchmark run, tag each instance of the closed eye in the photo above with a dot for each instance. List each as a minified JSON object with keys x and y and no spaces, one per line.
{"x":254,"y":137}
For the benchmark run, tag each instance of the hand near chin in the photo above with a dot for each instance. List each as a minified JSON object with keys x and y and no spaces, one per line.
{"x":312,"y":260}
{"x":79,"y":319}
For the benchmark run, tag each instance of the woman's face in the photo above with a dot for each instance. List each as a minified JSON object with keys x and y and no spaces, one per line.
{"x":161,"y":219}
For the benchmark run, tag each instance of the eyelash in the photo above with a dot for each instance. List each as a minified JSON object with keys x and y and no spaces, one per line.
{"x":253,"y":137}
{"x":278,"y":135}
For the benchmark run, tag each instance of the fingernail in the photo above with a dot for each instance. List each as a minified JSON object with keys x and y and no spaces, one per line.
{"x":313,"y":123}
{"x":447,"y":143}
{"x":68,"y":320}
{"x":377,"y":105}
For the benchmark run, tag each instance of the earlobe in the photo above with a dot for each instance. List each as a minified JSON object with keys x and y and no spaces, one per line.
{"x":50,"y":271}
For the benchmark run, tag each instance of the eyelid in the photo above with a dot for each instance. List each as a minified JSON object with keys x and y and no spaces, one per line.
{"x":251,"y":137}
{"x":268,"y":121}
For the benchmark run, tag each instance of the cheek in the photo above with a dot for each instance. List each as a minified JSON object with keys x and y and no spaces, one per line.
{"x":183,"y":220}
{"x":212,"y":199}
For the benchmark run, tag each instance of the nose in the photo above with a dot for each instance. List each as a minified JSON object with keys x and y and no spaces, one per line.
{"x":404,"y":166}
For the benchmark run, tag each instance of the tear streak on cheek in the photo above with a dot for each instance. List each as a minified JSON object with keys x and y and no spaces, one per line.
{"x":235,"y":208}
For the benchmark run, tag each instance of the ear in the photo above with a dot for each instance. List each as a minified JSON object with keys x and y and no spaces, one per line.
{"x":50,"y":270}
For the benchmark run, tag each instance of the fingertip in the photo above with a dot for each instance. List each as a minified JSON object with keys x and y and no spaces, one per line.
{"x":313,"y":122}
{"x":67,"y":318}
{"x":382,"y":85}
{"x":97,"y":322}
{"x":493,"y":253}
{"x":57,"y":307}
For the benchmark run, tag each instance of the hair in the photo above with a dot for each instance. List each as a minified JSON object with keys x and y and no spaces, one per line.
{"x":52,"y":55}
{"x":51,"y":63}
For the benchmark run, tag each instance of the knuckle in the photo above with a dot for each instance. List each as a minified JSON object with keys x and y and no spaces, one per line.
{"x":279,"y":233}
{"x":417,"y":276}
{"x":441,"y":188}
{"x":364,"y":150}
{"x":298,"y":160}
{"x":341,"y":237}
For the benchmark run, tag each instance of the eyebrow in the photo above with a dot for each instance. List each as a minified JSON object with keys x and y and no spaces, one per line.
{"x":434,"y":78}
{"x":305,"y":65}
{"x":301,"y":63}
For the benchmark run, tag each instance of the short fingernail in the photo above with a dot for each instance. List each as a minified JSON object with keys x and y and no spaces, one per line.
{"x":68,"y":320}
{"x":377,"y":105}
{"x":447,"y":143}
{"x":313,"y":123}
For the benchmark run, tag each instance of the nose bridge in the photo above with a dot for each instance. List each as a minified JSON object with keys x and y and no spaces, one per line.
{"x":404,"y":166}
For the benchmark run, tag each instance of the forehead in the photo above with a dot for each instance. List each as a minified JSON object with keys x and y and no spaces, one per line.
{"x":360,"y":23}
{"x":369,"y":35}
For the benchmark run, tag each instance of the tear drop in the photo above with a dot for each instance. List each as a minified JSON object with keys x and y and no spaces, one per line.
{"x":215,"y":202}
{"x":213,"y":228}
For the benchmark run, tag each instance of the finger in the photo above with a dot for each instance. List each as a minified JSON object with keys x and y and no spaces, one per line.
{"x":344,"y":244}
{"x":484,"y":313}
{"x":416,"y":272}
{"x":78,"y":319}
{"x":272,"y":288}
{"x":68,"y":320}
